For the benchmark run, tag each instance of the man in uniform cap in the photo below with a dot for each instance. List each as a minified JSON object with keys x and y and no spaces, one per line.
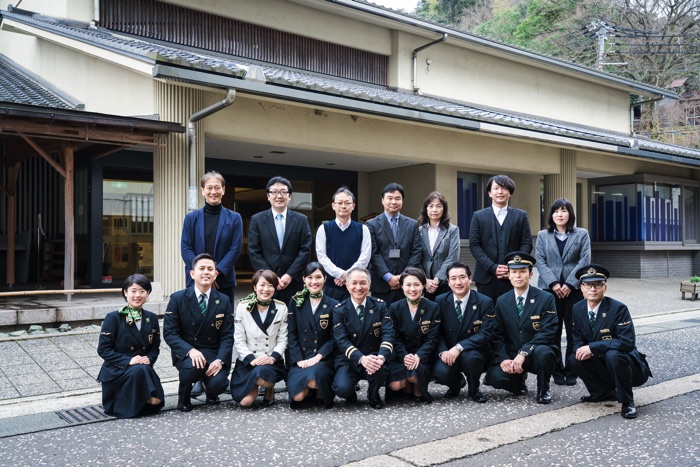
{"x":604,"y":354}
{"x":524,"y":330}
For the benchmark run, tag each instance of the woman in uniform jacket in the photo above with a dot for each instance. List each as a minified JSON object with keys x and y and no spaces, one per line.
{"x":260,"y":340}
{"x":310,"y":340}
{"x":560,"y":251}
{"x":440,"y":241}
{"x":129,"y":344}
{"x":416,"y":330}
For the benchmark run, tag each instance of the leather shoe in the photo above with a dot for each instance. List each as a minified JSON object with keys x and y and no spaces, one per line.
{"x":184,"y":407}
{"x":629,"y":410}
{"x":376,"y":404}
{"x":600,"y":398}
{"x":570,"y":380}
{"x":559,"y":379}
{"x":352,"y":399}
{"x":295,"y":405}
{"x":268,"y":402}
{"x":213,"y":400}
{"x":522,"y":389}
{"x":420,"y":399}
{"x":544,"y":397}
{"x":479,"y":397}
{"x":453,"y":391}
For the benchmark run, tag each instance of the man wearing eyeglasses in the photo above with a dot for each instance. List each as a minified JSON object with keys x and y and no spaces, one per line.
{"x":342,"y":244}
{"x":604,"y":355}
{"x":279,"y":239}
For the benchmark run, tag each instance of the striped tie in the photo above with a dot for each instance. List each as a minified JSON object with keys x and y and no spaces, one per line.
{"x":203,"y":303}
{"x":458,"y":309}
{"x":361,"y":312}
{"x":279,"y":226}
{"x":520,"y":305}
{"x":591,"y":318}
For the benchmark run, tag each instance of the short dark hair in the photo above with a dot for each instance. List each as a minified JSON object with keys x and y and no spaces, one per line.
{"x":458,"y":265}
{"x":361,"y":269}
{"x":435,"y":195}
{"x":279,"y":179}
{"x":346,"y":190}
{"x":558,"y":204}
{"x":314,"y":266}
{"x":390,"y":188}
{"x":212,"y":174}
{"x":413,"y":271}
{"x":502,"y":180}
{"x":200,"y":257}
{"x":266,"y":274}
{"x":138,"y":279}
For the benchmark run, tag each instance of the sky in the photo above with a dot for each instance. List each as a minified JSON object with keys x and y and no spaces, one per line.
{"x":408,"y":5}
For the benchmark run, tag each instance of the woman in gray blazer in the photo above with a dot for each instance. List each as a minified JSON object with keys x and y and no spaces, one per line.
{"x":561,"y":250}
{"x":440,"y":241}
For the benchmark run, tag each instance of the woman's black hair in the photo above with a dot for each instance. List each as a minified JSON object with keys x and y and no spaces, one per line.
{"x":138,"y":279}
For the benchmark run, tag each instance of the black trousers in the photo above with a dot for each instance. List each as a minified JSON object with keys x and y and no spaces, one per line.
{"x":389,"y":297}
{"x":541,"y":362}
{"x":189,"y":375}
{"x":333,"y":291}
{"x":614,"y":371}
{"x":347,"y":376}
{"x":564,"y":314}
{"x":495,"y":288}
{"x":470,"y":362}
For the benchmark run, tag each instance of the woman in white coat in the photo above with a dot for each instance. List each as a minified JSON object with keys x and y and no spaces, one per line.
{"x":260,"y":340}
{"x":561,"y":250}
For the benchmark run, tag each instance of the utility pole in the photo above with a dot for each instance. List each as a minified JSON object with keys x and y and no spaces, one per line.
{"x":601,"y":31}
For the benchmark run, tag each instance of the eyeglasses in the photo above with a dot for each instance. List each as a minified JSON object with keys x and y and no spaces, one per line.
{"x":276,"y":193}
{"x":343,"y":203}
{"x":592,"y":285}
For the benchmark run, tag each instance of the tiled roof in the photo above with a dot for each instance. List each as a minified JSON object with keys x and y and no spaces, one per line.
{"x":18,"y":86}
{"x":155,"y":52}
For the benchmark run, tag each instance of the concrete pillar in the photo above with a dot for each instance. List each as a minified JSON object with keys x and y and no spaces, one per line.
{"x":170,"y":174}
{"x":563,"y":184}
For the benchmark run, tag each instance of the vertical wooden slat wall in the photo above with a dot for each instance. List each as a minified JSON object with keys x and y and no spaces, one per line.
{"x":563,"y":184}
{"x":173,"y":103}
{"x":171,"y":23}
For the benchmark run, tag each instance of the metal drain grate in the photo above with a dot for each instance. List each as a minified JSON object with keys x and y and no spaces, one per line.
{"x":83,"y":415}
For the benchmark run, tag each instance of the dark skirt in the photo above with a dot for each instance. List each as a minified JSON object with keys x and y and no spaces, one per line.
{"x":245,"y":377}
{"x":298,"y":378}
{"x":423,"y":374}
{"x":126,"y":396}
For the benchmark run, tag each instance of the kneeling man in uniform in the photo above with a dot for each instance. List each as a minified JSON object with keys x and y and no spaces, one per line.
{"x":605,"y":356}
{"x":524,"y":330}
{"x":364,"y":333}
{"x":198,"y":327}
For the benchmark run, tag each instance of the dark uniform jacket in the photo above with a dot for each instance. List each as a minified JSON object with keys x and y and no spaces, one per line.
{"x":537,"y":325}
{"x":409,"y":243}
{"x":119,"y":343}
{"x":476,"y":329}
{"x":419,"y":335}
{"x":311,"y":333}
{"x":355,"y":338}
{"x":612,"y":330}
{"x":185,"y":327}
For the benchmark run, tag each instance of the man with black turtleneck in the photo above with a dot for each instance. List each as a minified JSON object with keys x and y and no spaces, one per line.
{"x":214,"y":230}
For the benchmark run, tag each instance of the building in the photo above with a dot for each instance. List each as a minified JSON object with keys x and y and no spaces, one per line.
{"x":331,"y":92}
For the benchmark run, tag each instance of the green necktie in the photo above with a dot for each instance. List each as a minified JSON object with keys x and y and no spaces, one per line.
{"x":458,"y":309}
{"x":361,"y":312}
{"x":591,"y":318}
{"x":203,"y":303}
{"x":520,"y":305}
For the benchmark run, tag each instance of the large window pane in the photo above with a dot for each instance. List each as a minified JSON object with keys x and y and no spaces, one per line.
{"x":691,"y":214}
{"x":468,"y":194}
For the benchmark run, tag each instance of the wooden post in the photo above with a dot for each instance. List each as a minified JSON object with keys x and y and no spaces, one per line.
{"x":12,"y":173}
{"x":69,"y":266}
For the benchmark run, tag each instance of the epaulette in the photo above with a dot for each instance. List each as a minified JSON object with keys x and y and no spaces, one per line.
{"x":168,"y":312}
{"x":280,"y":302}
{"x":379,"y":300}
{"x":491,"y":316}
{"x":551,"y":312}
{"x":625,"y":323}
{"x":106,"y":333}
{"x":338,"y":304}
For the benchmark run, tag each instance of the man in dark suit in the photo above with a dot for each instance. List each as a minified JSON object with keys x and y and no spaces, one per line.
{"x":198,"y":327}
{"x":466,"y":331}
{"x":364,"y":334}
{"x":280,"y":239}
{"x":214,"y":230}
{"x":605,"y":356}
{"x":396,"y":245}
{"x":494,"y":232}
{"x":523,"y":333}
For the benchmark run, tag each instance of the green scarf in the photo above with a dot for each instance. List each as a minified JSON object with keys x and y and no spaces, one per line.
{"x":253,"y":300}
{"x":132,"y":314}
{"x":300,"y":296}
{"x":412,"y":302}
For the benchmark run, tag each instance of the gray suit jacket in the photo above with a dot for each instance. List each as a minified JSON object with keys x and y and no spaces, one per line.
{"x":444,"y":254}
{"x":552,"y":266}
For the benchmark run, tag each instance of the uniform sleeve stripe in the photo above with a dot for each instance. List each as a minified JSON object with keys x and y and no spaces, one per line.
{"x":351,"y":350}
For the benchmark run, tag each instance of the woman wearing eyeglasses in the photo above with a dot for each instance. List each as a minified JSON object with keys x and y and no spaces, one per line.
{"x":562,"y":249}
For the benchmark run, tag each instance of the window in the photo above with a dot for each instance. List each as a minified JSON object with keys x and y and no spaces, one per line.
{"x":468,"y":195}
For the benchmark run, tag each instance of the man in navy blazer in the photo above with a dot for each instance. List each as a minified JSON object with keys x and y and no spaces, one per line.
{"x":496,"y":231}
{"x":198,"y":327}
{"x":279,"y":239}
{"x":214,"y":230}
{"x":396,"y":245}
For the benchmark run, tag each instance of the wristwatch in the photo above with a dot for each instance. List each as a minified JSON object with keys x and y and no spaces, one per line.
{"x":522,"y":353}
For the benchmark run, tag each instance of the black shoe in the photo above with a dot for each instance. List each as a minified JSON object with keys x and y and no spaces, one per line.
{"x":571,"y":380}
{"x":479,"y":397}
{"x":183,"y":407}
{"x":295,"y":405}
{"x":376,"y":404}
{"x":352,"y":399}
{"x":559,"y":379}
{"x":544,"y":397}
{"x":357,"y":387}
{"x":213,"y":400}
{"x":454,"y":391}
{"x":629,"y":410}
{"x":600,"y":398}
{"x":420,"y":399}
{"x":268,"y":402}
{"x":329,"y":405}
{"x":522,"y":389}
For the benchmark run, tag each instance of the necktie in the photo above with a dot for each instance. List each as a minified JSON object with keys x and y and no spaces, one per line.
{"x":361,"y":312}
{"x":591,"y":318}
{"x":458,"y":309}
{"x":520,"y":305}
{"x":395,"y":228}
{"x":203,"y":303}
{"x":279,"y":226}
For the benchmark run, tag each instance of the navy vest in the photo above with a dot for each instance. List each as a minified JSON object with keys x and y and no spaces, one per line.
{"x":343,"y":247}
